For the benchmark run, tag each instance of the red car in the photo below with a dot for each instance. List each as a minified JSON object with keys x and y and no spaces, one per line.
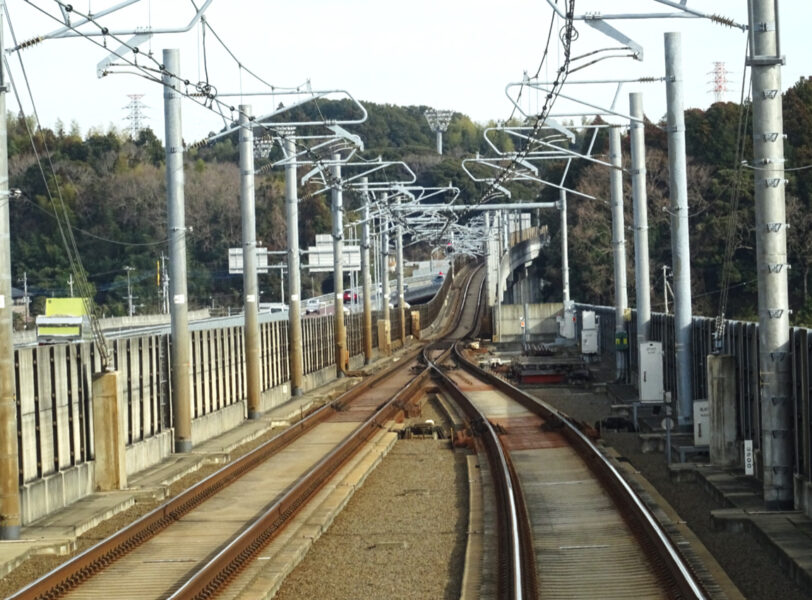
{"x":350,"y":296}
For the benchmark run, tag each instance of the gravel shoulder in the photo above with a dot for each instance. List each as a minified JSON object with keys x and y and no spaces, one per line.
{"x":402,"y":535}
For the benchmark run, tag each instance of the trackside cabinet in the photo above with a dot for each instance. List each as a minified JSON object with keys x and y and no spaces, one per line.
{"x":650,"y":373}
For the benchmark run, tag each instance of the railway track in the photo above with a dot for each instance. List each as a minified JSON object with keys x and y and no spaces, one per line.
{"x":566,"y":524}
{"x":194,"y":545}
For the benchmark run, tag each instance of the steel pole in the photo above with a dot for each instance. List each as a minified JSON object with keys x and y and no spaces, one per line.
{"x":295,"y":349}
{"x":488,"y":262}
{"x":10,"y":519}
{"x":366,"y":279}
{"x":401,"y":290}
{"x":338,"y":266}
{"x":439,"y":135}
{"x":249,"y":261}
{"x":178,"y":309}
{"x":680,"y":245}
{"x":618,"y":245}
{"x":385,"y":266}
{"x":565,"y":261}
{"x":639,"y":201}
{"x":771,"y":257}
{"x":498,"y":300}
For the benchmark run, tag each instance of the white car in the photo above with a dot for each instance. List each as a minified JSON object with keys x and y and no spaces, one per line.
{"x":312,"y":306}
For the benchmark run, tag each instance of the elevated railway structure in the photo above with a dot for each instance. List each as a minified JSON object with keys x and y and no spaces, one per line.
{"x":565,"y":525}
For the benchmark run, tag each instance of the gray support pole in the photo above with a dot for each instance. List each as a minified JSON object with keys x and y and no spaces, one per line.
{"x":366,"y":278}
{"x":385,"y":267}
{"x":178,"y":307}
{"x":680,"y":245}
{"x":10,"y":519}
{"x":498,"y":302}
{"x":640,"y":203}
{"x":565,"y":261}
{"x":488,"y":262}
{"x":249,"y":261}
{"x":771,"y":257}
{"x":338,"y":267}
{"x":295,"y":350}
{"x":401,"y":290}
{"x":618,"y":245}
{"x":439,"y":135}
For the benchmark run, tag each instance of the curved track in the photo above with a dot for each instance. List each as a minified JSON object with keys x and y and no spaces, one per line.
{"x":591,"y":536}
{"x":568,"y":526}
{"x":195,"y":544}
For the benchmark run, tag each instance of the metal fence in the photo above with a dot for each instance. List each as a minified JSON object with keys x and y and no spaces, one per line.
{"x":741,"y":342}
{"x":54,"y":383}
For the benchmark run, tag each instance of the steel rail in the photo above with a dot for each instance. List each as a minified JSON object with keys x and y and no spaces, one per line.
{"x":678,"y":568}
{"x":517,"y":574}
{"x":83,"y":566}
{"x":207,"y":581}
{"x":223,"y":567}
{"x":514,"y":567}
{"x":94,"y":559}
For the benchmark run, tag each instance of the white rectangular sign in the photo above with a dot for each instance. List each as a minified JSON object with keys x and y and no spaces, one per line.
{"x":235,"y":261}
{"x":749,"y":466}
{"x":320,"y":258}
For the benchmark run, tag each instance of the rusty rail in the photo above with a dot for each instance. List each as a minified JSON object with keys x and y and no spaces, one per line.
{"x":673,"y":565}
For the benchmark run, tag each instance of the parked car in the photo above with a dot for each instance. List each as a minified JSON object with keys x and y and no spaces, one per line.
{"x":350,"y":296}
{"x":312,"y":306}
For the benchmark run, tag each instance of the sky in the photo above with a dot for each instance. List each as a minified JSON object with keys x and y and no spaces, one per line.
{"x":451,"y":55}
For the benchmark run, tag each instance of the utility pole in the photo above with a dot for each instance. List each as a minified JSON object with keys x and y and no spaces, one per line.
{"x":565,"y":262}
{"x":640,"y":204}
{"x":365,"y":274}
{"x":385,"y":266}
{"x":680,"y":244}
{"x":129,"y":292}
{"x":176,"y":222}
{"x":249,"y":258}
{"x":338,"y":267}
{"x":618,"y":249}
{"x":765,"y":60}
{"x":401,"y":292}
{"x":10,"y":519}
{"x":295,"y":351}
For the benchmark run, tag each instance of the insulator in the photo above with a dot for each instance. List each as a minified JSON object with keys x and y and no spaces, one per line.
{"x":29,"y":43}
{"x":727,"y":21}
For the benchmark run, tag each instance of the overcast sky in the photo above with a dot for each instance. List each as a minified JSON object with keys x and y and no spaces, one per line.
{"x":447,"y":54}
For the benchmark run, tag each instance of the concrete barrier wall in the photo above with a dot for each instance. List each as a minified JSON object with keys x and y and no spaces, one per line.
{"x":541,"y":322}
{"x":740,"y":341}
{"x":54,"y":390}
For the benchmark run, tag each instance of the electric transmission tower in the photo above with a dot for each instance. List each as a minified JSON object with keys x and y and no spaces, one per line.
{"x":136,"y":116}
{"x":438,"y":121}
{"x":720,"y":81}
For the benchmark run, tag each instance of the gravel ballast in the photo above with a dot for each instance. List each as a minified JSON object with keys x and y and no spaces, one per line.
{"x":402,"y":535}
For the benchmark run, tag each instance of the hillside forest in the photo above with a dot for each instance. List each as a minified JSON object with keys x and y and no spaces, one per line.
{"x":110,"y":190}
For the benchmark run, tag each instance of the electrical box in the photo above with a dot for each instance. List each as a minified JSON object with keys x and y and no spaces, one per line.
{"x":566,"y":324}
{"x":589,"y":341}
{"x":589,"y":332}
{"x":621,"y":340}
{"x":650,"y":376}
{"x":701,"y":423}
